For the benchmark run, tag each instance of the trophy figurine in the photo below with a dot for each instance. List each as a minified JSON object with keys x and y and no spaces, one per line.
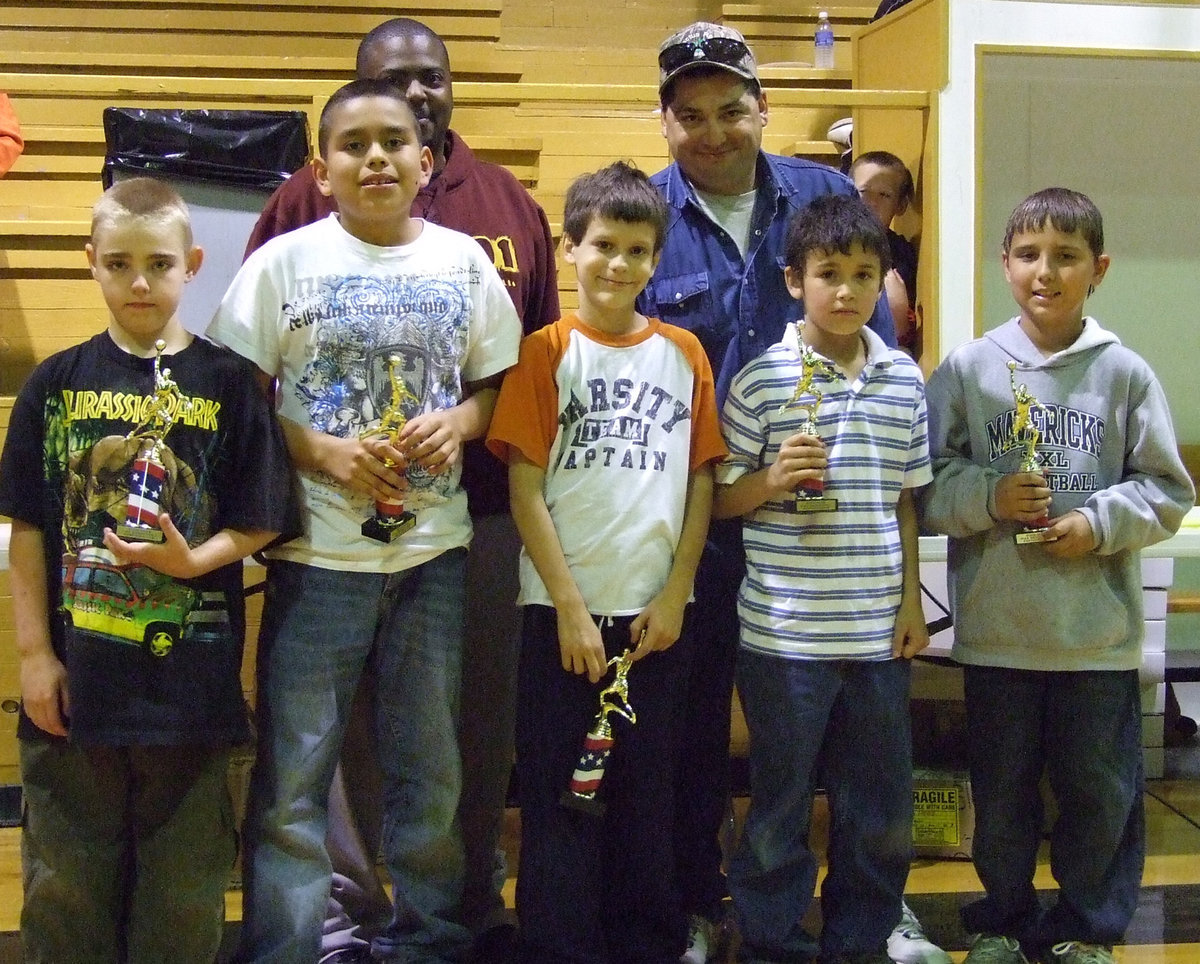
{"x":810,"y":496}
{"x":1026,"y":435}
{"x":148,"y":476}
{"x":390,"y":519}
{"x":597,"y":745}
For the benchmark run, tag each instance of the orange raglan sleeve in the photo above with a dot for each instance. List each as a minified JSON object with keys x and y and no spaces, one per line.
{"x":526,"y":414}
{"x":11,"y":142}
{"x":707,"y":443}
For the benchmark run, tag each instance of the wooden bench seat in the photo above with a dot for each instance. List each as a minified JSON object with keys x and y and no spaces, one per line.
{"x":472,"y":60}
{"x":228,"y":27}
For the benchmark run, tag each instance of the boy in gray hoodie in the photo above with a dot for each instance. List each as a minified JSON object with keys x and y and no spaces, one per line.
{"x":1049,"y":633}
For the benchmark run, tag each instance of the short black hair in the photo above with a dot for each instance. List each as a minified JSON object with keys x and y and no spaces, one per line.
{"x":1064,"y":210}
{"x":396,"y":27}
{"x":620,"y":192}
{"x":836,"y":222}
{"x":363,"y":87}
{"x":889,"y":161}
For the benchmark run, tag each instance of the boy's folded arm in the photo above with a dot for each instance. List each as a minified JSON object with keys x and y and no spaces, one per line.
{"x":1155,"y":492}
{"x":174,"y":557}
{"x":961,"y":499}
{"x":435,"y":439}
{"x":1139,"y":511}
{"x":739,"y":491}
{"x":360,"y":464}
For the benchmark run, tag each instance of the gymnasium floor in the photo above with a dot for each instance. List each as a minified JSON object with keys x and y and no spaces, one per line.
{"x":1165,"y":930}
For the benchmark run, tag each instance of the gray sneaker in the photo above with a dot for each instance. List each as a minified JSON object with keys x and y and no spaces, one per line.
{"x":702,"y":941}
{"x":1077,"y":952}
{"x":994,"y":949}
{"x":908,"y":944}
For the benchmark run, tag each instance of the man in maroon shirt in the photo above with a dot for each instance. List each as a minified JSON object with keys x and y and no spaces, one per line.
{"x":487,"y":202}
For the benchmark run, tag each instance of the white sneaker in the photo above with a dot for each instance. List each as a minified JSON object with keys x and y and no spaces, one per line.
{"x":701,"y":933}
{"x":909,"y":945}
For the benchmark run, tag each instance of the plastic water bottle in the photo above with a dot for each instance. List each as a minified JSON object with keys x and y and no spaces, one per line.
{"x":823,"y":42}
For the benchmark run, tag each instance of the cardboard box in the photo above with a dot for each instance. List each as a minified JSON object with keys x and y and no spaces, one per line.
{"x":943,"y":814}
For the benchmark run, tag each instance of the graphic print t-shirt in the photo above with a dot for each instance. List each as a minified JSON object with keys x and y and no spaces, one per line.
{"x":618,"y":423}
{"x":150,"y":659}
{"x":326,"y":313}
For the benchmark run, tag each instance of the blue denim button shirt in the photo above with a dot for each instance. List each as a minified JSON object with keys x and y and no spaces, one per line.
{"x":737,"y":308}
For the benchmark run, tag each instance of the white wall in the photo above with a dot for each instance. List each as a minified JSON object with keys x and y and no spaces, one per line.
{"x":966,"y":255}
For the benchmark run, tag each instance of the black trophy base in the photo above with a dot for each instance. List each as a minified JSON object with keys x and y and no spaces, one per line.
{"x":1028,"y":537}
{"x":139,"y":533}
{"x":576,"y":801}
{"x":388,"y":529}
{"x":815,"y":503}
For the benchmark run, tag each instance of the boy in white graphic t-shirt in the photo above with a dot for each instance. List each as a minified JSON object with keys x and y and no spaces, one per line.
{"x":388,"y":336}
{"x":609,"y":426}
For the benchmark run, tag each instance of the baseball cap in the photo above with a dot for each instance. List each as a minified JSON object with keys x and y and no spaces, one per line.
{"x":704,"y":44}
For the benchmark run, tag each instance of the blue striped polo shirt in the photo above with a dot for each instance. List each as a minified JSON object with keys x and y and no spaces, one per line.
{"x":826,"y":585}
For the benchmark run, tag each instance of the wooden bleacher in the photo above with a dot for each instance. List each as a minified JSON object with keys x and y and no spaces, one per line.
{"x":782,"y":30}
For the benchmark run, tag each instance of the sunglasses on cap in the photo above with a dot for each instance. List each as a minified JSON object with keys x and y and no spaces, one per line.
{"x":719,"y":50}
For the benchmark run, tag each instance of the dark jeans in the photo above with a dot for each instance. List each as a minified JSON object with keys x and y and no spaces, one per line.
{"x":1083,"y":730}
{"x":126,"y":853}
{"x":702,"y":784}
{"x":600,"y":890}
{"x":845,"y":724}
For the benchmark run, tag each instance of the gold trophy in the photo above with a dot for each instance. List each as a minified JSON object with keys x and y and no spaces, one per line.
{"x":810,"y":496}
{"x":148,"y":477}
{"x":597,"y":745}
{"x":1026,"y":435}
{"x":390,"y":519}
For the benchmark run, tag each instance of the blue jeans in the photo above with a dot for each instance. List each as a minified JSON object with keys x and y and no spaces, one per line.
{"x":321,"y":630}
{"x":1083,"y":729}
{"x":844,"y":725}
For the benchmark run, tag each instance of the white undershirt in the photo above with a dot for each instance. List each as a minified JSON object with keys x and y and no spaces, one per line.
{"x":732,"y":213}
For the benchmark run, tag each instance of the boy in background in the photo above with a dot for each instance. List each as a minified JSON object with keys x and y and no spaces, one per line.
{"x":130,"y":651}
{"x":1050,"y":634}
{"x":609,"y":426}
{"x":830,"y":607}
{"x":388,"y":336}
{"x":886,"y":186}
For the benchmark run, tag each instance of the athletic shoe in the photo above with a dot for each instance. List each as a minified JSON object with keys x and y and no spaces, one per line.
{"x":359,"y":954}
{"x":701,"y":940}
{"x":909,"y":945}
{"x":993,"y":949}
{"x":1077,"y":952}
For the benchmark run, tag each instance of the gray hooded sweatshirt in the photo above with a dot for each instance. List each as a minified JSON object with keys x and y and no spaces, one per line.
{"x":1108,"y":450}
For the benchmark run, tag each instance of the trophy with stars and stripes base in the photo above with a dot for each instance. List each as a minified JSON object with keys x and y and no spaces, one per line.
{"x":148,"y":477}
{"x":597,"y":745}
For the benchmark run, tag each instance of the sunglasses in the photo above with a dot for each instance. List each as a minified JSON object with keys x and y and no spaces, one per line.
{"x":721,"y":50}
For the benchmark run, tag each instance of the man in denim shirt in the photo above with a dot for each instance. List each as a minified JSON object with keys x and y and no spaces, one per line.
{"x":721,"y":277}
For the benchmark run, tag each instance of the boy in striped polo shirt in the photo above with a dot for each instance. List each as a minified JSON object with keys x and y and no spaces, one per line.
{"x":830,"y":607}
